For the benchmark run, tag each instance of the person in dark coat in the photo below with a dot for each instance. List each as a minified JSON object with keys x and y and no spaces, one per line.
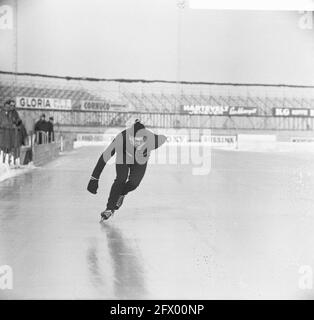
{"x":19,"y":134}
{"x":41,"y":129}
{"x":51,"y":137}
{"x":9,"y":121}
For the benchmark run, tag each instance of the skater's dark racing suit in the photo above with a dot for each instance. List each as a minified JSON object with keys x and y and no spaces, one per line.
{"x":132,"y":148}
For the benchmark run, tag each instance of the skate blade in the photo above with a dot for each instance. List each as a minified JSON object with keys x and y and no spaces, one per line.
{"x":103,"y":219}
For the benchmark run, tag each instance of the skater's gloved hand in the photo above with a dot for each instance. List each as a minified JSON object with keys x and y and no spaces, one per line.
{"x":92,"y":185}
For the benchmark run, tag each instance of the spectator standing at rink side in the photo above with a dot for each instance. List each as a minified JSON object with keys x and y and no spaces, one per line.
{"x":14,"y":114}
{"x":41,"y":128}
{"x":9,"y":122}
{"x":19,"y":133}
{"x":51,"y":136}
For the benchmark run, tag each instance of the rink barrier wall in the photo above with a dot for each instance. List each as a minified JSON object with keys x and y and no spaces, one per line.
{"x":44,"y":153}
{"x":85,"y":139}
{"x":65,"y":144}
{"x":26,"y":155}
{"x":228,"y":139}
{"x":282,"y":135}
{"x":258,"y":142}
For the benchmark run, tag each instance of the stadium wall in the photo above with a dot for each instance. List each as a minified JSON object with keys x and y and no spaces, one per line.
{"x":170,"y":120}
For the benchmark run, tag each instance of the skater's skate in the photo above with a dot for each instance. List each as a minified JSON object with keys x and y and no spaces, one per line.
{"x":119,"y":202}
{"x":106,"y":214}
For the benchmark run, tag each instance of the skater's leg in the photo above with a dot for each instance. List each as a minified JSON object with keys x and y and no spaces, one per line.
{"x":136,"y":175}
{"x":118,"y":185}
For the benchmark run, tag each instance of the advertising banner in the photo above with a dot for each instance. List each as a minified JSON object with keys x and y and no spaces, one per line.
{"x":95,"y":137}
{"x":90,"y":105}
{"x":43,"y":103}
{"x":219,"y":110}
{"x":177,"y":138}
{"x":302,"y":139}
{"x":94,"y":105}
{"x":293,"y":112}
{"x":242,"y":111}
{"x":219,"y":140}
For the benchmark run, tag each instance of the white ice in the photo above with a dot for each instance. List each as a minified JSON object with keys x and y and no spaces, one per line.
{"x":242,"y":231}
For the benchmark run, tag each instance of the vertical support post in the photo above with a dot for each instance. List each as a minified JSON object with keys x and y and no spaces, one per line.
{"x":181,"y":6}
{"x":61,"y":144}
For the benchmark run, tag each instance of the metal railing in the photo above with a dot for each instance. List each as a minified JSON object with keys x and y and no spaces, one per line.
{"x":42,"y":137}
{"x":169,"y":120}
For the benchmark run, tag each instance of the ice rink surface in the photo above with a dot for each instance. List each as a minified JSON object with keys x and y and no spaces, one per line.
{"x":242,"y":231}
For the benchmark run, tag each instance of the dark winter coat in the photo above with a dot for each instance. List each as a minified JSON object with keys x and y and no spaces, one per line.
{"x":9,"y":120}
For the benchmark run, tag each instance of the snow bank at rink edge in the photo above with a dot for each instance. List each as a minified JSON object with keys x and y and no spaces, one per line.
{"x":7,"y":171}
